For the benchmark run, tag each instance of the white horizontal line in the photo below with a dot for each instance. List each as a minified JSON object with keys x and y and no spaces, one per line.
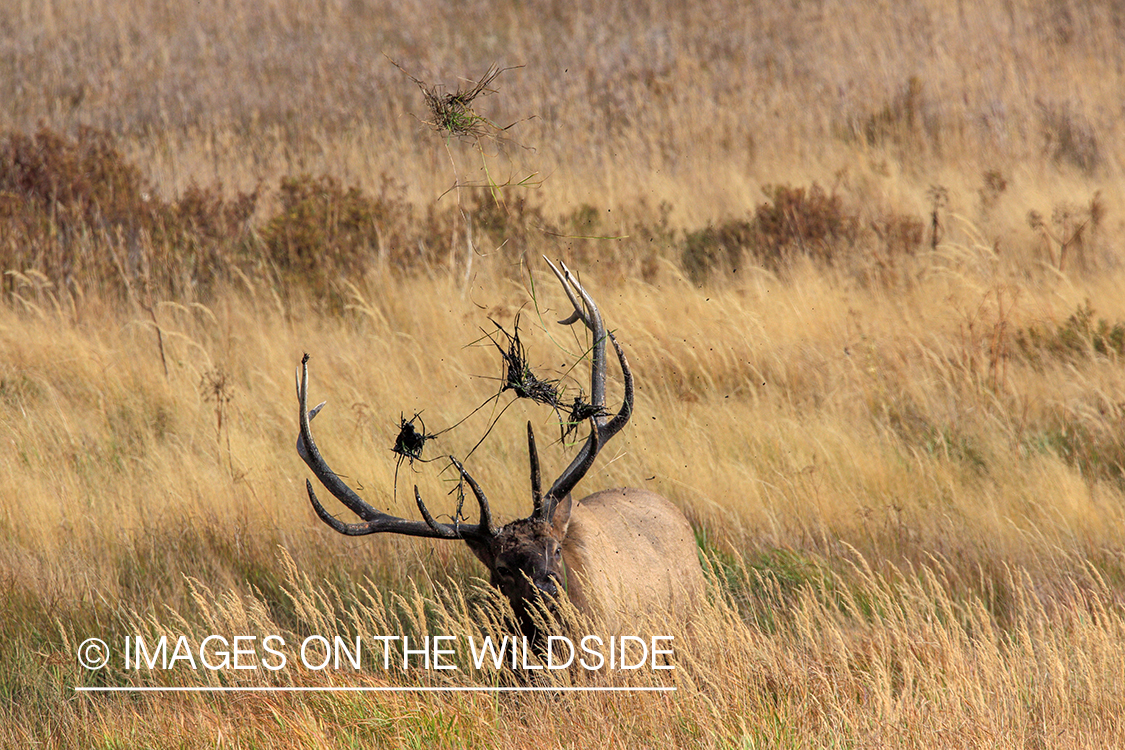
{"x":376,"y":689}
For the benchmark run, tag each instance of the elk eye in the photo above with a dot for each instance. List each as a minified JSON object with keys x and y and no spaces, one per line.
{"x":503,"y":571}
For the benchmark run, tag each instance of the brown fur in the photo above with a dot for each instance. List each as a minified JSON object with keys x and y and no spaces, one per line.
{"x":631,"y":554}
{"x":623,"y":555}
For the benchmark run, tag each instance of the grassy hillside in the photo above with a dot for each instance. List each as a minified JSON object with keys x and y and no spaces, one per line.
{"x":865,"y":263}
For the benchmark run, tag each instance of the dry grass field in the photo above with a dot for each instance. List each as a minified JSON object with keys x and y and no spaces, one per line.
{"x":865,"y":260}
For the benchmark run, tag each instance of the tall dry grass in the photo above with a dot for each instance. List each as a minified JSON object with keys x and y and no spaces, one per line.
{"x":697,"y":104}
{"x":902,"y":452}
{"x":901,"y":555}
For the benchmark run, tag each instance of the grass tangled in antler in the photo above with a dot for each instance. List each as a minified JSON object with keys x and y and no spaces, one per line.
{"x":518,"y":376}
{"x":410,"y":441}
{"x":580,"y":412}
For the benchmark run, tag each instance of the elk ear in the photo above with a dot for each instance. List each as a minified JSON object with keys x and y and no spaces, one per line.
{"x":560,"y":522}
{"x":482,"y":548}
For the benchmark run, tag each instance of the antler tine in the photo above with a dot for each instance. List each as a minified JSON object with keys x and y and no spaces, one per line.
{"x":602,"y":428}
{"x":482,"y":501}
{"x":587,"y":312}
{"x":536,"y":480}
{"x":577,"y":469}
{"x":307,"y":450}
{"x":619,"y":420}
{"x":439,"y":530}
{"x":351,"y":529}
{"x":376,"y":520}
{"x":579,"y":313}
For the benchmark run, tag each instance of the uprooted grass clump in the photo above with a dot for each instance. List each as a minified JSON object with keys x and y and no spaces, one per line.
{"x":518,"y":377}
{"x":578,"y":412}
{"x":452,"y":112}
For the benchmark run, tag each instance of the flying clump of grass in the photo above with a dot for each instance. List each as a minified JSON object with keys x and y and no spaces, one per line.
{"x":452,"y":113}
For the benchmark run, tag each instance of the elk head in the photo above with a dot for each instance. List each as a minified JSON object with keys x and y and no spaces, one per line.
{"x":524,"y":557}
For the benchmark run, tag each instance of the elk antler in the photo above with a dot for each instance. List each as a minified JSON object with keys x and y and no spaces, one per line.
{"x":375,"y":521}
{"x":536,"y":484}
{"x":602,"y":428}
{"x":542,"y":510}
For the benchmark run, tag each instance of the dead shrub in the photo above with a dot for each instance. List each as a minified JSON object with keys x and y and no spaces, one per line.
{"x":907,"y":121}
{"x":716,"y":248}
{"x":793,"y":222}
{"x":898,"y":237}
{"x":808,"y":222}
{"x":78,"y":213}
{"x":324,"y":234}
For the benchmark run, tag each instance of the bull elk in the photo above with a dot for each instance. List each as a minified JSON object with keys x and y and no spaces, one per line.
{"x":619,"y":553}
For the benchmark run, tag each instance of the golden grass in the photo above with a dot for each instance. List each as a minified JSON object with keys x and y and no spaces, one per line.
{"x":912,"y":505}
{"x":912,"y":567}
{"x":891,"y":99}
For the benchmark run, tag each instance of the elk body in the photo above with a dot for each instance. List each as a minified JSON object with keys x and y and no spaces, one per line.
{"x":622,"y":555}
